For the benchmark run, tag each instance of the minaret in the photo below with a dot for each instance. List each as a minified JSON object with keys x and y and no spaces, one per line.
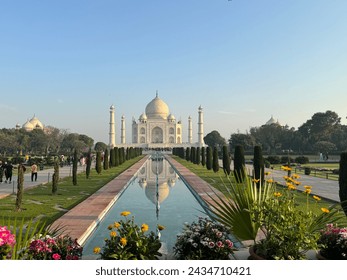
{"x":112,"y":142}
{"x":122,"y":137}
{"x":190,"y":130}
{"x":201,"y":128}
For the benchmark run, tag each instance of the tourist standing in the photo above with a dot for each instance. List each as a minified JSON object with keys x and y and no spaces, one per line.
{"x":8,"y":172}
{"x":1,"y":172}
{"x":34,"y":172}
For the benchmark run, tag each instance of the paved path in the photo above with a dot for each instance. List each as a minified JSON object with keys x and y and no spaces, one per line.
{"x":43,"y":177}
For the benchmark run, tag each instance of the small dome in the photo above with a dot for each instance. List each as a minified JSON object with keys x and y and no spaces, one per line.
{"x":157,"y":108}
{"x":272,"y":121}
{"x":143,"y":117}
{"x":163,"y":192}
{"x":36,"y":123}
{"x":171,"y":117}
{"x":112,"y":107}
{"x":28,"y":126}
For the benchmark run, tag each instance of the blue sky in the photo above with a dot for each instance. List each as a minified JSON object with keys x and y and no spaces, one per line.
{"x":67,"y":61}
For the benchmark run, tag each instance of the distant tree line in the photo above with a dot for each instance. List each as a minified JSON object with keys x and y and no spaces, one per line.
{"x":323,"y":133}
{"x":52,"y":141}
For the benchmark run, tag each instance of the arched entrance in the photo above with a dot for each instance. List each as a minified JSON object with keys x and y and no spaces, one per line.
{"x":157,"y":135}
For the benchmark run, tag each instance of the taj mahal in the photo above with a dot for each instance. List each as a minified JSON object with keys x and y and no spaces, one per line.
{"x":157,"y":127}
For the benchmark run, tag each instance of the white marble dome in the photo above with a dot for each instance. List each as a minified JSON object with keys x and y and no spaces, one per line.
{"x":36,"y":123}
{"x":28,"y":126}
{"x":157,"y":108}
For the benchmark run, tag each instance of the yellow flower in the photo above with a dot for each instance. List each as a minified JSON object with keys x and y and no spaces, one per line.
{"x":317,"y":198}
{"x":160,"y":227}
{"x":296,"y":176}
{"x":325,"y":210}
{"x":125,"y":213}
{"x":277,"y":194}
{"x":110,"y":227}
{"x":297,"y":183}
{"x":113,"y":233}
{"x":256,"y":180}
{"x":123,"y":241}
{"x":267,"y":173}
{"x":270,"y":181}
{"x":144,"y":227}
{"x":286,"y":168}
{"x":308,"y":191}
{"x":308,"y":187}
{"x":117,"y":225}
{"x":97,"y":250}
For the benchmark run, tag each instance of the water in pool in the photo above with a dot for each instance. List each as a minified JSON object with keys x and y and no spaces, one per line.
{"x":172,"y":206}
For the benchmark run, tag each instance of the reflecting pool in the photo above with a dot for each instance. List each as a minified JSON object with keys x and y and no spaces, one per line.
{"x":155,"y":196}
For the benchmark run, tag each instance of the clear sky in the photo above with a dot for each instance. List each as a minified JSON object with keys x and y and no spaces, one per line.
{"x":68,"y":61}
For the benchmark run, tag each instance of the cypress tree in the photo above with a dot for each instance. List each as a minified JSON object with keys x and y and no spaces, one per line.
{"x":20,"y":186}
{"x":203,"y":156}
{"x":55,"y":178}
{"x":116,"y":153}
{"x":188,"y":154}
{"x":343,"y":181}
{"x":106,"y":160}
{"x":74,"y":168}
{"x":193,"y":155}
{"x":198,"y":155}
{"x":226,"y":160}
{"x":209,"y":158}
{"x":112,"y":158}
{"x":239,"y":164}
{"x":215,"y":164}
{"x":89,"y":163}
{"x":98,"y":165}
{"x":258,"y":165}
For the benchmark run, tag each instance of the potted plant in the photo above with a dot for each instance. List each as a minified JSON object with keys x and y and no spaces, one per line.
{"x":128,"y":241}
{"x":204,"y":240}
{"x":333,"y":243}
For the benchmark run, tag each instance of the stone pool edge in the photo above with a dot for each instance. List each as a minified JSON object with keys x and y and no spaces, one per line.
{"x":82,"y":220}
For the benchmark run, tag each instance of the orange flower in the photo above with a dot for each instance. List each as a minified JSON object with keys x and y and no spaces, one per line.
{"x":113,"y":233}
{"x":277,"y":194}
{"x":144,"y":227}
{"x":325,"y":210}
{"x":125,"y":213}
{"x":317,"y":198}
{"x":123,"y":241}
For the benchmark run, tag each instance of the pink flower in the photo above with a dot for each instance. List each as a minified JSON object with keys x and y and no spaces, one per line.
{"x":211,"y":245}
{"x":220,"y":244}
{"x":229,"y":243}
{"x":56,"y":257}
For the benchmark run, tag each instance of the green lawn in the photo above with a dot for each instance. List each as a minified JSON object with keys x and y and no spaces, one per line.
{"x":40,"y":203}
{"x":216,"y":180}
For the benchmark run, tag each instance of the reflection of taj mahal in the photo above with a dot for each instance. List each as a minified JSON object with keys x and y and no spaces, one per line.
{"x":147,"y":177}
{"x":157,"y":128}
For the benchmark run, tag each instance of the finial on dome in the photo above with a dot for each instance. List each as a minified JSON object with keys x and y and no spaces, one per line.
{"x":157,"y":94}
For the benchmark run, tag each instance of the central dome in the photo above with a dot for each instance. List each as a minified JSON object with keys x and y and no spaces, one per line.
{"x":157,"y":108}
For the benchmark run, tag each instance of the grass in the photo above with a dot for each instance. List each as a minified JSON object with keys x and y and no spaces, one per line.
{"x":40,"y":203}
{"x":216,"y":180}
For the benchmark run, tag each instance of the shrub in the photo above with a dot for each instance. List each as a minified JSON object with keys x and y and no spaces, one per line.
{"x":333,"y":243}
{"x":204,"y":240}
{"x":7,"y":241}
{"x":273,"y":159}
{"x":302,"y":160}
{"x":286,"y":159}
{"x":54,"y":248}
{"x":128,"y":241}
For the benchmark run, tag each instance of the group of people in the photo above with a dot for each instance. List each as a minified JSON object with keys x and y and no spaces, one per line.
{"x":6,"y":168}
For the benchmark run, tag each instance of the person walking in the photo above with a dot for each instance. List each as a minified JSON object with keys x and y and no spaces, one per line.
{"x":34,"y":172}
